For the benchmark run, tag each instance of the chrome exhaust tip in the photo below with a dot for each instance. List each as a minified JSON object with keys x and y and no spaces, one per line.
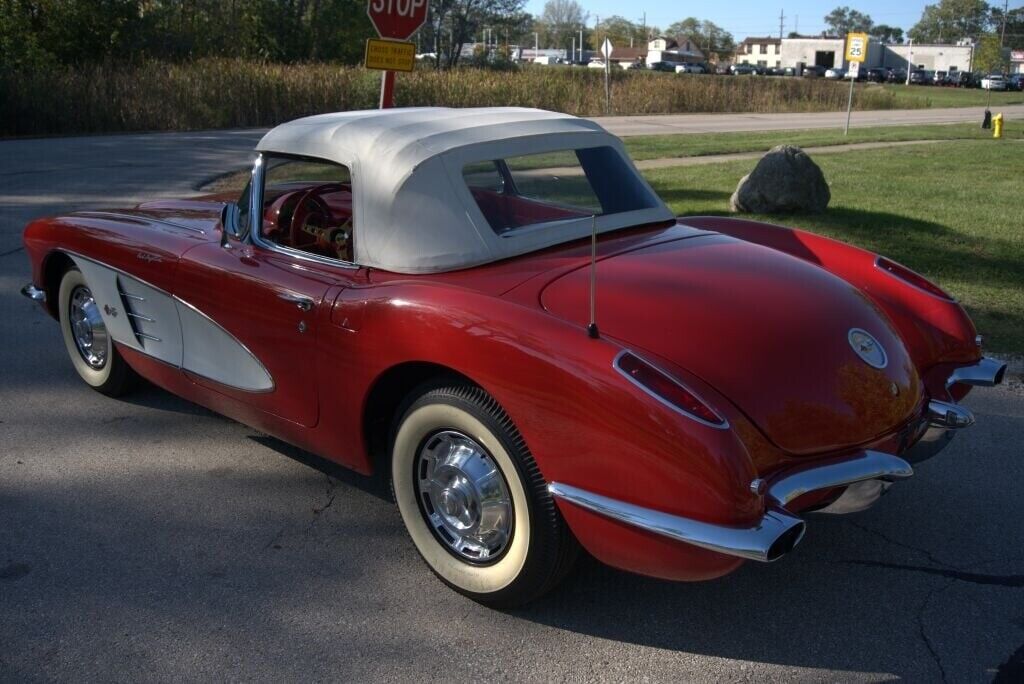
{"x":785,"y":542}
{"x":986,"y":373}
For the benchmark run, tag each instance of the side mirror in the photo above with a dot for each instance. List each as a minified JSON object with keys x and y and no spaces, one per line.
{"x":229,"y":224}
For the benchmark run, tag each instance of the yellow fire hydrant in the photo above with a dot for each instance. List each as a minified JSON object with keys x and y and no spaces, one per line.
{"x":997,"y":125}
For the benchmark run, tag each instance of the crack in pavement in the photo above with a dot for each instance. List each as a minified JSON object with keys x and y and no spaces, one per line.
{"x":1008,"y":581}
{"x":330,"y":494}
{"x":903,"y":545}
{"x":921,"y":630}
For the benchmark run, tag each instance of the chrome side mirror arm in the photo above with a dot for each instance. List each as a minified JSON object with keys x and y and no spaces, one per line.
{"x":229,"y":224}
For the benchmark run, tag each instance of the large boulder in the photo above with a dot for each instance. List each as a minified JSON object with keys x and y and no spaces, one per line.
{"x":785,"y":180}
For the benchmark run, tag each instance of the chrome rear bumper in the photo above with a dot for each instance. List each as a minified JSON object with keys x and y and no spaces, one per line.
{"x":778,"y":530}
{"x":866,"y":475}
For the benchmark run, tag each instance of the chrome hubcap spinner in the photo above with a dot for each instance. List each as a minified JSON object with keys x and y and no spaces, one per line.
{"x":463,"y":496}
{"x":87,"y":328}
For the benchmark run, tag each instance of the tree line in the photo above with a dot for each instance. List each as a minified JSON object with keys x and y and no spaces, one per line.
{"x":41,"y":33}
{"x":947,"y":21}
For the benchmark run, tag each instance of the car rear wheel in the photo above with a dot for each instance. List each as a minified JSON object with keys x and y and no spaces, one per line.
{"x":88,"y":342}
{"x":473,"y":499}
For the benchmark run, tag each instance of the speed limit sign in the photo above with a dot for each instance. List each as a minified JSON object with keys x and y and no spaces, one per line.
{"x":856,"y":47}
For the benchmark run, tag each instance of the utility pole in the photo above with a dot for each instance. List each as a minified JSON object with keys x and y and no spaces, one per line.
{"x":782,"y":18}
{"x":581,"y":43}
{"x":1002,"y":34}
{"x":910,"y":60}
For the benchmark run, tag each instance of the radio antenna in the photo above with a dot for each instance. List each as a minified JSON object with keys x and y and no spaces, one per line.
{"x":592,"y":328}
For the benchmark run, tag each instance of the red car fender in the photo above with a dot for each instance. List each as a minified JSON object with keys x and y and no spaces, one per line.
{"x":584,"y":423}
{"x":935,"y":330}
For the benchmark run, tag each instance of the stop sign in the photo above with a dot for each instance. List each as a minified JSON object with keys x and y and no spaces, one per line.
{"x":397,"y":19}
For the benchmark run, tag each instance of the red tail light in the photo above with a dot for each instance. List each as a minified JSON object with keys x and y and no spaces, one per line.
{"x":667,"y":389}
{"x":915,"y":279}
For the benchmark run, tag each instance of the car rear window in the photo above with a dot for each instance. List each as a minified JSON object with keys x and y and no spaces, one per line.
{"x":548,"y":187}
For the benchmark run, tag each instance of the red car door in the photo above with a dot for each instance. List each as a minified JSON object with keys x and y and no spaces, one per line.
{"x":267,"y":301}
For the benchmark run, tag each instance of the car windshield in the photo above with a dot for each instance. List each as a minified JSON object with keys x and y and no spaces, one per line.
{"x":550,"y":187}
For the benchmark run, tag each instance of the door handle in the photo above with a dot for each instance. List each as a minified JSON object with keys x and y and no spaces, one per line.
{"x":304,"y":303}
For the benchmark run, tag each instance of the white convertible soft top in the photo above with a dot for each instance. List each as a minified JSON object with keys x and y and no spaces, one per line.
{"x":412,"y":210}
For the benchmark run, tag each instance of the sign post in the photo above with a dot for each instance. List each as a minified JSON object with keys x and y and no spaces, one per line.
{"x":395,"y":21}
{"x":606,"y":52}
{"x":856,"y":52}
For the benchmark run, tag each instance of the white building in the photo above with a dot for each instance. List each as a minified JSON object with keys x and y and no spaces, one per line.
{"x":829,"y":51}
{"x":764,"y":52}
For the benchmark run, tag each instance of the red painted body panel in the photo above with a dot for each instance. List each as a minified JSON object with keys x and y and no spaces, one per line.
{"x":585,"y":424}
{"x":767,"y":330}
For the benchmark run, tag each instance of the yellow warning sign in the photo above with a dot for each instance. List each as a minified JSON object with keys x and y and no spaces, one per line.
{"x":390,"y":55}
{"x":856,"y":47}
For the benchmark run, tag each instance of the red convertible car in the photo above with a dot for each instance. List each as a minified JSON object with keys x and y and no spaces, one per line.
{"x":492,"y":308}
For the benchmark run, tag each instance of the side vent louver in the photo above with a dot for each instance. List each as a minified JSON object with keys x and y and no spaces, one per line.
{"x":135,"y":308}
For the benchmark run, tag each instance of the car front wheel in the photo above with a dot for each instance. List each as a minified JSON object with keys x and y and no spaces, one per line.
{"x":473,"y":499}
{"x":88,"y":342}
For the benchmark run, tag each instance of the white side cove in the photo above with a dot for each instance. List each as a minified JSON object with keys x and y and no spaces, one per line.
{"x":157,"y":324}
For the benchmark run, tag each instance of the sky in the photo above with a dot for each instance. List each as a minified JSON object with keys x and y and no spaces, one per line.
{"x":744,"y":18}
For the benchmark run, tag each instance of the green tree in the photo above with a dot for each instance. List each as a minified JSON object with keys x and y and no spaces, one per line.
{"x":1014,"y":26}
{"x":843,"y":20}
{"x":990,"y":58}
{"x":621,"y":31}
{"x":952,"y":20}
{"x":708,"y":36}
{"x":452,"y":24}
{"x":886,"y":33}
{"x":560,"y":21}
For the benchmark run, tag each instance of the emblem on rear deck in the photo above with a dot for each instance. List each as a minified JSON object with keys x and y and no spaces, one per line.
{"x":867,"y":348}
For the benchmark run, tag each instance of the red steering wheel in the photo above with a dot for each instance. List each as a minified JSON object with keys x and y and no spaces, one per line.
{"x":311,"y":206}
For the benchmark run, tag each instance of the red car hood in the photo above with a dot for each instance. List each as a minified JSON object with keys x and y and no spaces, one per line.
{"x":767,"y":330}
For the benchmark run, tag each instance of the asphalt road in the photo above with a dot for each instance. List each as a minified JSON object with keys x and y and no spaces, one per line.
{"x":146,"y":538}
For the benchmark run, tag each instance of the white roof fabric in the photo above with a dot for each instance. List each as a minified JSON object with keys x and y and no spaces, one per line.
{"x":412,"y":211}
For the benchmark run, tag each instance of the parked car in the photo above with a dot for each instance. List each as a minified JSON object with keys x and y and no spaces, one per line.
{"x":814,"y":71}
{"x":920,"y":77}
{"x":596,"y":64}
{"x":742,"y":70}
{"x":938,"y":77}
{"x":896,"y":76}
{"x":775,"y":71}
{"x":662,"y":66}
{"x":993,"y":82}
{"x":690,"y":69}
{"x":427,"y":318}
{"x":1015,"y":82}
{"x":789,"y":71}
{"x":875,"y":74}
{"x":835,"y":73}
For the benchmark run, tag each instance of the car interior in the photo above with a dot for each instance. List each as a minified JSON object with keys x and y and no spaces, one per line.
{"x":307,"y":206}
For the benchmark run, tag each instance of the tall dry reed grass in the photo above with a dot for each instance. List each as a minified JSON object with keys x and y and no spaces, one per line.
{"x":223,"y":93}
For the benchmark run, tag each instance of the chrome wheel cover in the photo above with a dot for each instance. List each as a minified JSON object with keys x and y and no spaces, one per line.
{"x":463,"y":497}
{"x":87,"y":328}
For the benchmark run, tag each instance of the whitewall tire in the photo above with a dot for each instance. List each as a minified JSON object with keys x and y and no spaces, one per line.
{"x":473,"y":500}
{"x":89,"y":345}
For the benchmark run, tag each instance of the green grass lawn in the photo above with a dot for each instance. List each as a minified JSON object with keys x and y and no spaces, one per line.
{"x":933,"y":96}
{"x":953,"y":211}
{"x":700,"y":144}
